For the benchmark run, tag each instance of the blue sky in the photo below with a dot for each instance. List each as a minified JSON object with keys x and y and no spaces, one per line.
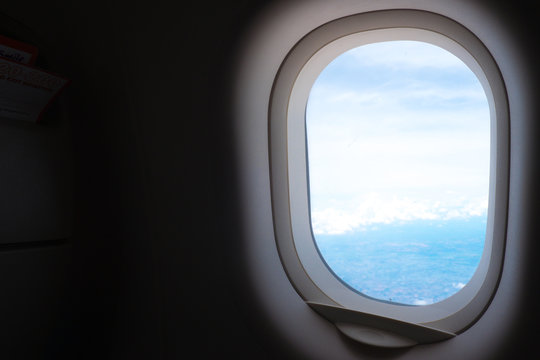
{"x":397,"y":132}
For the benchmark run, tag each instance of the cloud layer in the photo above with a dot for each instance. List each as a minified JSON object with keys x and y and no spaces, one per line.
{"x":375,"y":209}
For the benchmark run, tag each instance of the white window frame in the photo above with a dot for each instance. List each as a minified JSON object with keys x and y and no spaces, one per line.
{"x":360,"y":317}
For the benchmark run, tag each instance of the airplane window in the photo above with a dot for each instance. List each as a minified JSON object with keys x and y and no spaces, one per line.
{"x":398,"y":149}
{"x":389,"y":174}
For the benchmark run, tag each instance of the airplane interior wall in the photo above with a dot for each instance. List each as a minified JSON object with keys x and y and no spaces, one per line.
{"x":141,"y":268}
{"x":120,"y":235}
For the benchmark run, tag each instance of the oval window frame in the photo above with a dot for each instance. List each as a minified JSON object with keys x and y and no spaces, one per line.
{"x":304,"y":266}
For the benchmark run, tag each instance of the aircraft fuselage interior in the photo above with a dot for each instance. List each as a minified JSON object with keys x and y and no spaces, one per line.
{"x":160,"y":194}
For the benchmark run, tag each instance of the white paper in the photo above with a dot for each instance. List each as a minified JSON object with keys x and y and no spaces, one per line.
{"x":26,"y":91}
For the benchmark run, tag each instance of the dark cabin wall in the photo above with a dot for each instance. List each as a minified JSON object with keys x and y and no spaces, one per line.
{"x":148,"y":271}
{"x":35,"y":230}
{"x":151,"y":269}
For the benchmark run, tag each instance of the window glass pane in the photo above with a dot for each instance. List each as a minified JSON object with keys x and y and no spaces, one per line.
{"x":398,"y":154}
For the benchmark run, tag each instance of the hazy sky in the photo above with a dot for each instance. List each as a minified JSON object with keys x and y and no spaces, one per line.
{"x":397,"y":131}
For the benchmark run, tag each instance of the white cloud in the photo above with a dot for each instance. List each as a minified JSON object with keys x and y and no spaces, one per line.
{"x":376,"y":209}
{"x":383,"y":97}
{"x":459,"y":285}
{"x":411,"y":54}
{"x":355,"y":97}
